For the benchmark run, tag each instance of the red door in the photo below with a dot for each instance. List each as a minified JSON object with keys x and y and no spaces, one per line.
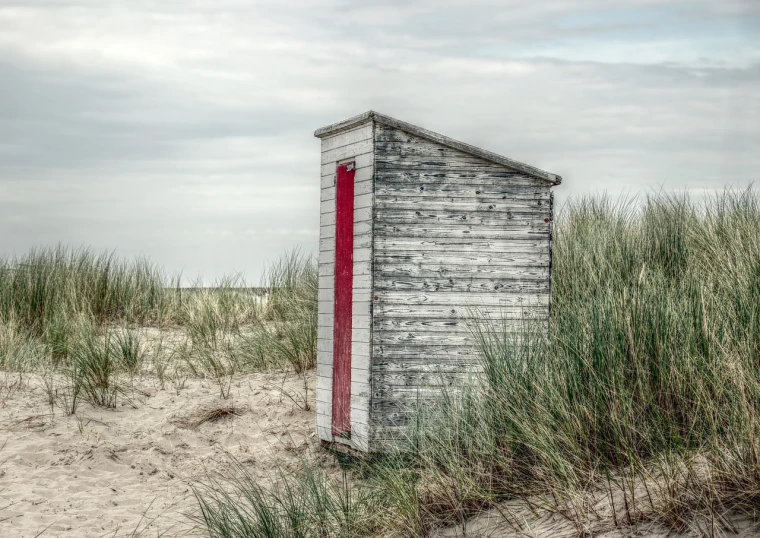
{"x":344,"y":283}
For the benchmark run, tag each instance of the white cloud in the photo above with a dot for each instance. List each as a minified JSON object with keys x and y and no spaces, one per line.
{"x":142,"y":125}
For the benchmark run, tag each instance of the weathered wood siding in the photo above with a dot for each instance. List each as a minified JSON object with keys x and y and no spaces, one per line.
{"x":355,"y":145}
{"x":455,"y":237}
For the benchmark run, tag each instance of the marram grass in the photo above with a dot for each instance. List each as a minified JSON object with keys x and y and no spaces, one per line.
{"x":653,"y":350}
{"x":81,"y":315}
{"x":649,"y":370}
{"x":650,"y":367}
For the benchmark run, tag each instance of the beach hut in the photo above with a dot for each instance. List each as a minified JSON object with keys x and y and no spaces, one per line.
{"x":419,"y":234}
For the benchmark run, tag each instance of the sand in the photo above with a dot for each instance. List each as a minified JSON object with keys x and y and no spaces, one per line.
{"x":129,"y":470}
{"x":593,"y":516}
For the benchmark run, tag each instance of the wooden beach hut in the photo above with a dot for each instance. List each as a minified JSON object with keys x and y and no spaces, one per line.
{"x":417,"y":233}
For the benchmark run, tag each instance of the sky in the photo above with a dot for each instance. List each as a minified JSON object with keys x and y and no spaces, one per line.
{"x":183,"y":130}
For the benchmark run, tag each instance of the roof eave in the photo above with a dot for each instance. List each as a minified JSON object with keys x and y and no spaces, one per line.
{"x":345,"y":125}
{"x":371,"y":115}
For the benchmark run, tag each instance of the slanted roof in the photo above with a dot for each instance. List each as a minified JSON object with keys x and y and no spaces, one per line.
{"x":439,"y":139}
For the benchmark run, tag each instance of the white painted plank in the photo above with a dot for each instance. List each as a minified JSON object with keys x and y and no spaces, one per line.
{"x":361,"y":188}
{"x":362,"y":200}
{"x":360,"y":356}
{"x":361,"y":268}
{"x":360,"y":228}
{"x":360,"y":214}
{"x":361,"y":307}
{"x":360,"y":282}
{"x":348,"y":151}
{"x":362,"y":321}
{"x":360,"y":334}
{"x":360,"y":389}
{"x":324,"y":369}
{"x":326,"y":307}
{"x":326,"y":257}
{"x":362,"y":254}
{"x":363,"y":132}
{"x":365,"y":160}
{"x":361,"y":176}
{"x":360,"y":241}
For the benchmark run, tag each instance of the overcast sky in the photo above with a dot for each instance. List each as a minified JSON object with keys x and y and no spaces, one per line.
{"x":183,"y":130}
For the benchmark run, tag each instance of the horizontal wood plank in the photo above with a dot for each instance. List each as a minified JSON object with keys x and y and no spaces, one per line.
{"x":363,"y":132}
{"x":365,"y":160}
{"x":463,"y":205}
{"x":361,"y":175}
{"x":360,"y":188}
{"x":446,"y":215}
{"x":454,"y":326}
{"x":509,"y":229}
{"x":404,"y":245}
{"x":474,"y":284}
{"x":348,"y":151}
{"x":509,"y":259}
{"x":447,"y":190}
{"x":432,"y":270}
{"x":415,"y":311}
{"x":469,"y":176}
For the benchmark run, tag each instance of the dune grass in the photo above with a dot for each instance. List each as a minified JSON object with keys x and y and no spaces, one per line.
{"x":82,"y":318}
{"x":648,"y":376}
{"x":649,"y":373}
{"x":306,"y":503}
{"x":653,"y":354}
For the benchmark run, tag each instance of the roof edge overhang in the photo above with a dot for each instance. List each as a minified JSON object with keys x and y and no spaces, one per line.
{"x":371,"y":115}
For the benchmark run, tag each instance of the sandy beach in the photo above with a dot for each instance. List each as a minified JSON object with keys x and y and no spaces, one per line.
{"x":129,"y":471}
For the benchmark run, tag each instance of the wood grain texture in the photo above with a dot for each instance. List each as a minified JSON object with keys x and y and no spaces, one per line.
{"x":450,"y":326}
{"x":507,"y":259}
{"x":391,"y":245}
{"x":449,"y":216}
{"x":457,"y":240}
{"x":449,"y":298}
{"x":509,"y":230}
{"x":467,"y":311}
{"x":492,"y":177}
{"x":501,"y":206}
{"x":457,"y":190}
{"x":433,"y":270}
{"x":474,"y":284}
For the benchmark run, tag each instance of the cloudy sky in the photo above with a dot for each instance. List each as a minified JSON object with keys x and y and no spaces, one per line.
{"x":183,"y":130}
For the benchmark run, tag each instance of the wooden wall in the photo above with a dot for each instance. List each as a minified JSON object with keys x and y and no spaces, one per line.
{"x":353,"y":145}
{"x":452,"y":233}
